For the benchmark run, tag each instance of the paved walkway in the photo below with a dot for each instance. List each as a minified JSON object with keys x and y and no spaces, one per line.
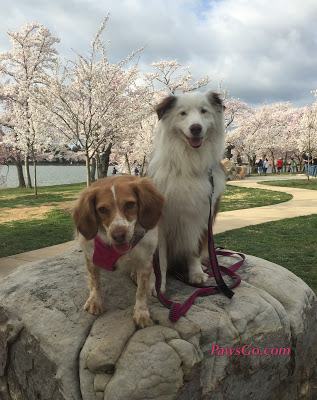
{"x":304,"y":202}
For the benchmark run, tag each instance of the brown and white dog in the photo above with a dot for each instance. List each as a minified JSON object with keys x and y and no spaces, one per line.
{"x":115,"y":210}
{"x":189,"y":143}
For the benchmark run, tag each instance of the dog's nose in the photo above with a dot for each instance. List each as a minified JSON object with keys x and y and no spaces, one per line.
{"x":195,"y":129}
{"x":119,"y":236}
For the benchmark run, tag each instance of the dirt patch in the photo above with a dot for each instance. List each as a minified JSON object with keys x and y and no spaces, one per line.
{"x":237,"y":196}
{"x":23,"y":213}
{"x":29,"y":213}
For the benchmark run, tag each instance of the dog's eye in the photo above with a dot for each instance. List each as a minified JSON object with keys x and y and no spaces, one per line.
{"x":103,"y":210}
{"x":183,"y":113}
{"x":129,"y":205}
{"x":203,"y":111}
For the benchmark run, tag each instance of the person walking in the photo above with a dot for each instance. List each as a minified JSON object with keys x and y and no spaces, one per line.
{"x":266,"y":165}
{"x":260,"y":166}
{"x":136,"y":171}
{"x":114,"y":171}
{"x":279,"y":165}
{"x":293,"y":166}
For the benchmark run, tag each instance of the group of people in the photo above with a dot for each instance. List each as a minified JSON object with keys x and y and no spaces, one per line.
{"x":292,"y":165}
{"x":312,"y":163}
{"x":263,"y":166}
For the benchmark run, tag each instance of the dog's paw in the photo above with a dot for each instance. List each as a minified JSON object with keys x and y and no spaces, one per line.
{"x":94,"y":307}
{"x":152,"y":290}
{"x":198,"y":278}
{"x":163,"y":287}
{"x":142,"y":317}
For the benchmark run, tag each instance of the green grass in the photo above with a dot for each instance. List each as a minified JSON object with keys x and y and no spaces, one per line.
{"x":52,"y":228}
{"x":237,"y":198}
{"x":290,"y":243}
{"x":46,"y":194}
{"x":294,"y":183}
{"x":21,"y":236}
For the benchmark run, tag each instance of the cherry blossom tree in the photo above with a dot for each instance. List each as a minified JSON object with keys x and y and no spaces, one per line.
{"x":172,"y":80}
{"x":244,"y":137}
{"x":293,"y":133}
{"x":264,"y":132}
{"x":274,"y":129}
{"x":26,"y":67}
{"x":307,"y":141}
{"x":91,"y":101}
{"x":234,"y":108}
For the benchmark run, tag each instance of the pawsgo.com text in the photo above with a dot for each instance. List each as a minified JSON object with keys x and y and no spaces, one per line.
{"x":248,"y":350}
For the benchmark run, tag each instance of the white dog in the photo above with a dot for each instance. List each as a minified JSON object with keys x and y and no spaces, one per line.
{"x":189,"y":145}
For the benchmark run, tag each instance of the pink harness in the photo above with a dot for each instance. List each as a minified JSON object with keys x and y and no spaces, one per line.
{"x":106,"y":256}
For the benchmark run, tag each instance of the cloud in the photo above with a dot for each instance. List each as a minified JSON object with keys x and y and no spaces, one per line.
{"x":262,"y":50}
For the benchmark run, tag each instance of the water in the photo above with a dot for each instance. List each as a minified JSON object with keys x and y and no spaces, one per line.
{"x":48,"y":175}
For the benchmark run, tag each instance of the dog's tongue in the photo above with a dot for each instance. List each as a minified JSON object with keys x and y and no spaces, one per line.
{"x":122,"y":248}
{"x":195,"y":142}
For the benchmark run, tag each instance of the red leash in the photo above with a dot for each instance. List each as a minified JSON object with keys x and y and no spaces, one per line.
{"x":213,"y":270}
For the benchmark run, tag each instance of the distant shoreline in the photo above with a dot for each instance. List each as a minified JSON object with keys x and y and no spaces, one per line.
{"x":43,"y":163}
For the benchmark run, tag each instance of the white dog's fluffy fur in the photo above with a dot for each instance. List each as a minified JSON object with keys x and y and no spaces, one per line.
{"x":189,"y":141}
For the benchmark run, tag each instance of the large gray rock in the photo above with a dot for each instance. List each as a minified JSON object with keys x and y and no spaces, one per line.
{"x":50,"y":349}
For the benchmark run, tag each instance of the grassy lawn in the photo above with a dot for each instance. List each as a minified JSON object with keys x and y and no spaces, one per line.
{"x":31,"y":222}
{"x":20,"y":236}
{"x":46,"y":194}
{"x":24,"y":232}
{"x":294,"y":183}
{"x":237,"y":198}
{"x":290,"y":242}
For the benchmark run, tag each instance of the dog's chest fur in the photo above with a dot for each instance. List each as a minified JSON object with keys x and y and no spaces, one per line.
{"x":183,"y":178}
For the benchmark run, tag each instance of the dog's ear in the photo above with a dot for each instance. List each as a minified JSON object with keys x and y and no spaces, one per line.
{"x":167,"y":104}
{"x":215,"y":100}
{"x":151,"y":203}
{"x":84,"y":214}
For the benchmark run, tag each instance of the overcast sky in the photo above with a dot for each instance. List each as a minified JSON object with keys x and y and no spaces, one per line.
{"x":262,"y":50}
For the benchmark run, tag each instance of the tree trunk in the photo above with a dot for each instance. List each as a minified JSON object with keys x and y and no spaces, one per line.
{"x":127,"y":164}
{"x":273,"y":162}
{"x":103,"y":162}
{"x":239,"y":159}
{"x":17,"y":162}
{"x":143,"y":165}
{"x":34,"y":176}
{"x":87,"y":169}
{"x":252,"y":161}
{"x":249,"y":162}
{"x":27,"y":171}
{"x":93,"y":170}
{"x":308,"y":167}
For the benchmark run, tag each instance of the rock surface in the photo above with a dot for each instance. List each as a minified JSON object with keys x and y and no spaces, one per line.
{"x":50,"y":349}
{"x":230,"y":169}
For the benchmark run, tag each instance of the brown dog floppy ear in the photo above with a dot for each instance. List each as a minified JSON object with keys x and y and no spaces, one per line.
{"x":167,"y":104}
{"x":84,"y":214}
{"x":151,"y":203}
